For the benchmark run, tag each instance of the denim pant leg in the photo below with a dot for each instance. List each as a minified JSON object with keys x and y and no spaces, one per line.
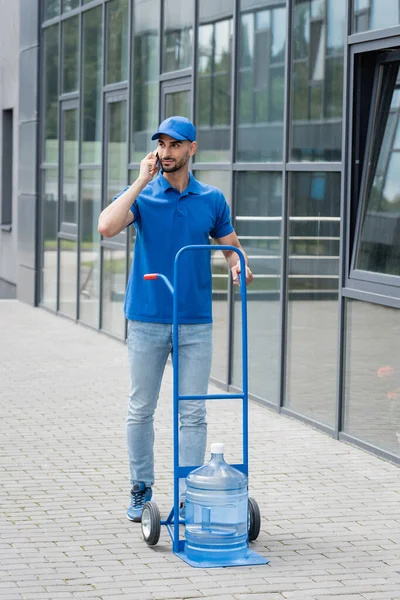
{"x":195,"y":355}
{"x":149,"y":345}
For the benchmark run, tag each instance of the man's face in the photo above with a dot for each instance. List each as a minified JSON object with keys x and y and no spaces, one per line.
{"x":174,"y":154}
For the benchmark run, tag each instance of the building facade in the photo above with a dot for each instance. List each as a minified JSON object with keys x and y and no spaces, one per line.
{"x":297,"y":108}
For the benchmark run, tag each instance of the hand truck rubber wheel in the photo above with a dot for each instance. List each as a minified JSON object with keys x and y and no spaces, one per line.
{"x":151,"y":523}
{"x":254,"y":520}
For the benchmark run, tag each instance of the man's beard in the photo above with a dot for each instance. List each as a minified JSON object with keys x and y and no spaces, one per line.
{"x":176,"y":166}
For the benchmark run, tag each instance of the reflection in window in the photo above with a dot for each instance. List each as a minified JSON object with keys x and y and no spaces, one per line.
{"x":379,"y":246}
{"x":50,"y":93}
{"x":92,"y":82}
{"x":114,"y":283}
{"x":117,"y":13}
{"x":177,"y":34}
{"x":68,"y":5}
{"x":213,"y":101}
{"x":117,"y":151}
{"x":372,"y":378}
{"x":258,"y":225}
{"x":69,"y":204}
{"x":220,"y":278}
{"x":49,"y":201}
{"x":317,"y":80}
{"x":177,"y":103}
{"x":51,"y":8}
{"x":261,"y":83}
{"x":70,"y":36}
{"x":375,"y":14}
{"x":146,"y":66}
{"x":89,"y":288}
{"x":314,"y":235}
{"x":68,"y":277}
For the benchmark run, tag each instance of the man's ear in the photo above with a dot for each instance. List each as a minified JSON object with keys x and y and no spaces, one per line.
{"x":192,"y":148}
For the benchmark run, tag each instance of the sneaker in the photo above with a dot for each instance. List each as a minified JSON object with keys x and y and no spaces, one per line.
{"x":140,"y":494}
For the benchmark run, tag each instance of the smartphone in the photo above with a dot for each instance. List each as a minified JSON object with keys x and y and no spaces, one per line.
{"x":158,"y":163}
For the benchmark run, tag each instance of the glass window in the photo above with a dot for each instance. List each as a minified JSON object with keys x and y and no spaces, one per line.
{"x":313,"y":276}
{"x":214,"y":76}
{"x":375,"y":14}
{"x":49,"y":202}
{"x":70,"y":37}
{"x":69,"y":204}
{"x":89,"y":287}
{"x":146,"y":68}
{"x":117,"y":151}
{"x":50,"y":93}
{"x":177,"y":103}
{"x":68,"y":5}
{"x":220,"y":279}
{"x":261,"y":82}
{"x":258,"y":225}
{"x":117,"y":17}
{"x":51,"y":9}
{"x":372,"y":377}
{"x":317,"y":80}
{"x":114,"y":283}
{"x":177,"y":34}
{"x":92,"y":85}
{"x":379,"y":244}
{"x":68,"y":277}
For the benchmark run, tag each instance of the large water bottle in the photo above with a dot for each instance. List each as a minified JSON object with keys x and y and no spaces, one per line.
{"x":216,"y":511}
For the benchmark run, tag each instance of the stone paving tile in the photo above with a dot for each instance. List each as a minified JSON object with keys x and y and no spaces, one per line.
{"x":330,"y":512}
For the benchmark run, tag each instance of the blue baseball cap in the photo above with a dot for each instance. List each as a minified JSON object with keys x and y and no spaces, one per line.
{"x":179,"y":128}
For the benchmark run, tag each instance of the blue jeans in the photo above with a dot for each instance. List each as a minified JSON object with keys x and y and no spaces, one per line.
{"x":149,"y":345}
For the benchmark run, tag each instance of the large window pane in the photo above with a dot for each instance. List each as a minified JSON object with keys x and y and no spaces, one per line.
{"x":70,"y":37}
{"x":146,"y":68}
{"x":117,"y":150}
{"x":92,"y":82}
{"x":375,"y":14}
{"x":258,"y":225}
{"x":117,"y":18}
{"x":372,"y":380}
{"x":379,"y":246}
{"x":220,"y":278}
{"x":177,"y":34}
{"x":51,"y":9}
{"x":177,"y":103}
{"x":50,"y":93}
{"x":114,"y":283}
{"x":214,"y":71}
{"x":68,"y":277}
{"x":261,"y":81}
{"x":69,"y":203}
{"x":317,"y":80}
{"x":49,"y":201}
{"x":314,"y":233}
{"x":89,"y":289}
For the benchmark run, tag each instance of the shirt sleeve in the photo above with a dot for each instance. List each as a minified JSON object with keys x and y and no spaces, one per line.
{"x":134,"y":208}
{"x":223,"y":225}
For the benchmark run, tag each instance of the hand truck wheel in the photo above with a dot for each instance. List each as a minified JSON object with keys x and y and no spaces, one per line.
{"x":151,"y":523}
{"x":254,"y":520}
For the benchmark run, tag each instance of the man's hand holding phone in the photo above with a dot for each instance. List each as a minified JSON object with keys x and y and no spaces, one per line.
{"x":149,"y":166}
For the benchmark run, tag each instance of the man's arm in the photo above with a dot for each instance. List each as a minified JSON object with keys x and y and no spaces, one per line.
{"x":233,"y":259}
{"x":117,"y":215}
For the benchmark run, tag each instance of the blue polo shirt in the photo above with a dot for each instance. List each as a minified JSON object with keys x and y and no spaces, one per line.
{"x":165,"y":221}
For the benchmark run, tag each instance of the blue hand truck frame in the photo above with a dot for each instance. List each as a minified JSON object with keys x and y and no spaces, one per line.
{"x":151,"y":518}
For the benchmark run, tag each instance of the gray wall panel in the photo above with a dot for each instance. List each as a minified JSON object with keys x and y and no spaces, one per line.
{"x":28,"y":83}
{"x":27,"y":157}
{"x":27,"y":230}
{"x":26,"y":284}
{"x":29,"y":22}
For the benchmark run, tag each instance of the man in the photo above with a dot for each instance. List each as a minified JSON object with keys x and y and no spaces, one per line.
{"x":169,"y":212}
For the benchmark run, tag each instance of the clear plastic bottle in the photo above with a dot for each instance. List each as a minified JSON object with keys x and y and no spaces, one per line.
{"x":216,"y":511}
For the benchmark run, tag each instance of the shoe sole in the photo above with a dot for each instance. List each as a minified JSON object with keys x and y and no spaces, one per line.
{"x":135,"y":519}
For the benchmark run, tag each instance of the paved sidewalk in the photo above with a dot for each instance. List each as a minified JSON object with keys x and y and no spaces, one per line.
{"x":331,"y":513}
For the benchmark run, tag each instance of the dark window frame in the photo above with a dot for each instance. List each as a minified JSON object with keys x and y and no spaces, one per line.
{"x":383,"y":283}
{"x":7,"y":169}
